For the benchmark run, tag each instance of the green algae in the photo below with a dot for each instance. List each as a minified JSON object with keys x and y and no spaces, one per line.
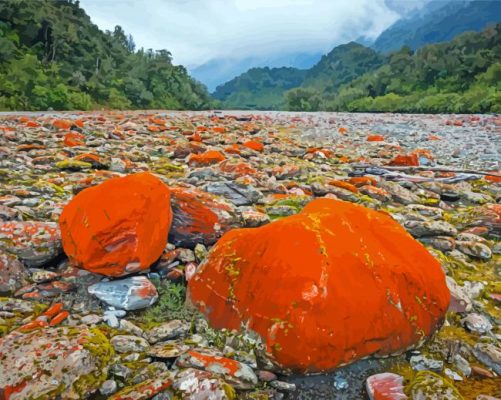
{"x":73,"y":165}
{"x":98,"y":345}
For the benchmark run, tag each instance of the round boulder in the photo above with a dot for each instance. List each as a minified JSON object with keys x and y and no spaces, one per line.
{"x":118,"y":227}
{"x":330,"y":285}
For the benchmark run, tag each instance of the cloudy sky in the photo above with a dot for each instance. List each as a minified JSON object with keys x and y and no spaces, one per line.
{"x":198,"y":31}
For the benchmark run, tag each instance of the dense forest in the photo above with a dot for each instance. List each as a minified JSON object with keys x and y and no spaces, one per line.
{"x":463,"y":75}
{"x":53,"y":56}
{"x":260,"y":88}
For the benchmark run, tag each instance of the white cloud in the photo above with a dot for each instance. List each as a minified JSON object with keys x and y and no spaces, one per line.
{"x":196,"y":31}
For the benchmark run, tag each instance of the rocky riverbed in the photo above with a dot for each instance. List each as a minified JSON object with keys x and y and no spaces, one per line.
{"x":369,"y":269}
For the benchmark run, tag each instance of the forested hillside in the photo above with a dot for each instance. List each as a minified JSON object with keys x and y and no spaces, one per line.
{"x":462,"y":75}
{"x":261,"y":88}
{"x":53,"y":56}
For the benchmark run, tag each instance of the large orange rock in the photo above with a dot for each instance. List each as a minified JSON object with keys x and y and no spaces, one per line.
{"x":325,"y":287}
{"x":199,"y":217}
{"x":118,"y":227}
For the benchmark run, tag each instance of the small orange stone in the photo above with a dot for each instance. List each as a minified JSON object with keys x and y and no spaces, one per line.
{"x":73,"y":139}
{"x":208,"y":158}
{"x":375,"y":138}
{"x":343,"y":185}
{"x":219,"y":129}
{"x":410,"y":160}
{"x":254,"y":145}
{"x":62,"y":124}
{"x":362,"y":180}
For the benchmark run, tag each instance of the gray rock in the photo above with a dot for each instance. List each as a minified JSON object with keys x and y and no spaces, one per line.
{"x":429,"y":212}
{"x":452,"y":375}
{"x":442,"y":243}
{"x":68,"y":354}
{"x":430,"y":228}
{"x":253,"y":218}
{"x":131,"y":293}
{"x":168,"y":330}
{"x":129,"y":343}
{"x":35,"y":243}
{"x":474,"y":249}
{"x":421,"y":363}
{"x":91,"y":319}
{"x":238,"y":194}
{"x":462,"y":365}
{"x":13,"y":274}
{"x":284,"y":386}
{"x":129,"y":327}
{"x":489,"y":355}
{"x":281,"y":210}
{"x":108,"y":387}
{"x":399,"y":193}
{"x":429,"y":386}
{"x":460,"y":301}
{"x":477,"y":323}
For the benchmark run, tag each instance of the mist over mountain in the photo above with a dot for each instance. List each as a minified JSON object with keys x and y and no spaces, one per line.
{"x":438,"y":21}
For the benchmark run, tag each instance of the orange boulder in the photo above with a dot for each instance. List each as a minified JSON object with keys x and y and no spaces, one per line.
{"x":330,"y":285}
{"x":199,"y":217}
{"x":117,"y":227}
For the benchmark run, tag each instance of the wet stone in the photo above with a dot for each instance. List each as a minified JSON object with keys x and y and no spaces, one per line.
{"x":131,"y":293}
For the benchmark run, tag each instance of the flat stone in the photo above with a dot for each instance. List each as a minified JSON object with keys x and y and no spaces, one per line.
{"x":238,"y":374}
{"x":421,"y":363}
{"x":168,"y":330}
{"x":430,"y":228}
{"x":238,"y":194}
{"x":477,"y":323}
{"x":385,"y":386}
{"x":129,"y":344}
{"x":168,"y":349}
{"x":489,"y":355}
{"x":132,"y":293}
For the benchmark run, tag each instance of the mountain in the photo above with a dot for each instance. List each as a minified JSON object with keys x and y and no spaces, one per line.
{"x":460,"y":76}
{"x":216,"y":72}
{"x":53,"y":56}
{"x":438,"y":21}
{"x":261,"y":88}
{"x":341,"y":65}
{"x":264,"y":88}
